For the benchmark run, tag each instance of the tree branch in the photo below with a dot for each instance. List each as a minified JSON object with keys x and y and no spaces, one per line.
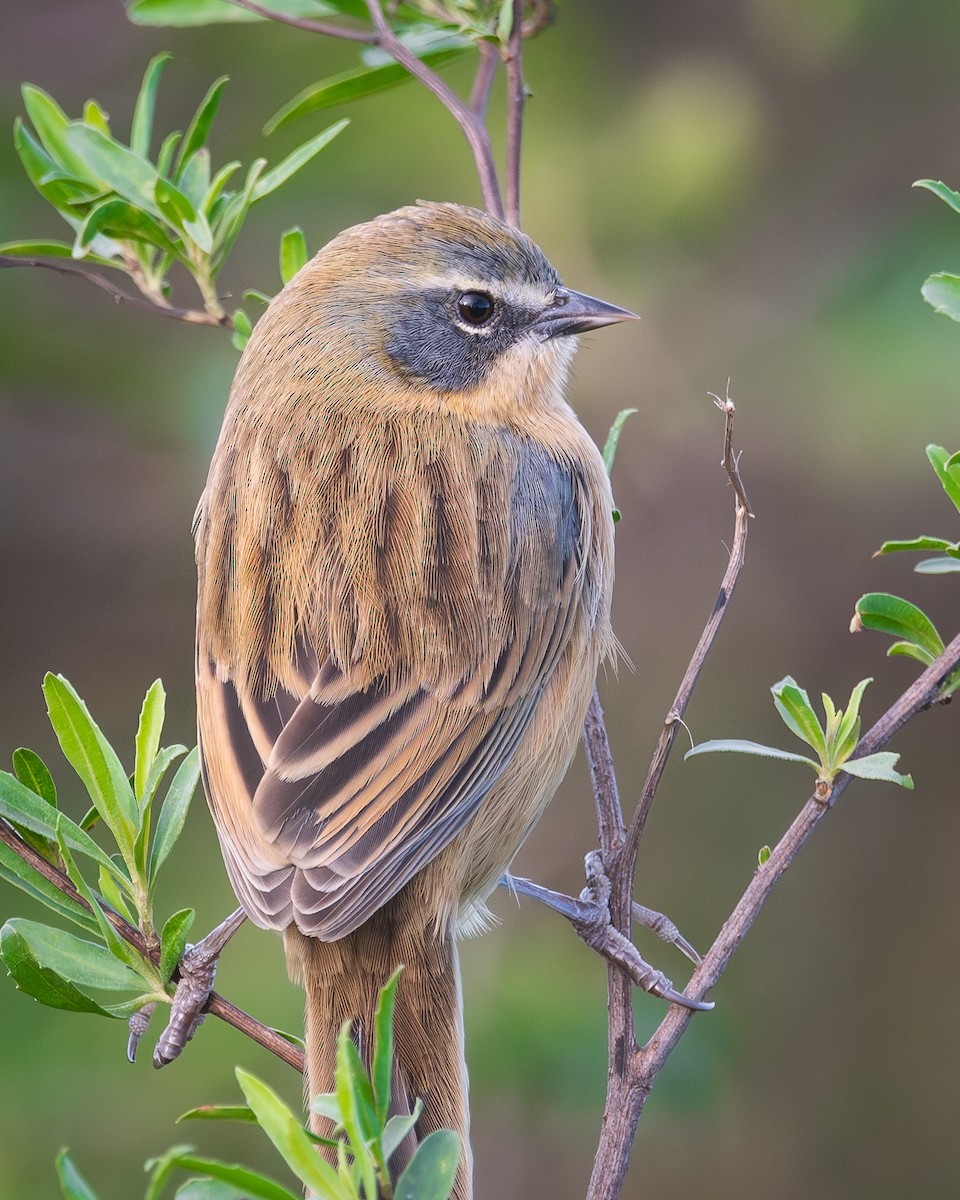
{"x":516,"y":98}
{"x":217,"y":1004}
{"x":190,"y":315}
{"x":483,"y":80}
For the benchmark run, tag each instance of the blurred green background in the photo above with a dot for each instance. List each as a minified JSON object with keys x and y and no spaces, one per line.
{"x":739,"y":174}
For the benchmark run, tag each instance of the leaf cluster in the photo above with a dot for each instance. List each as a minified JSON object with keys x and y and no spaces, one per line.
{"x":363,"y":1137}
{"x":54,"y":966}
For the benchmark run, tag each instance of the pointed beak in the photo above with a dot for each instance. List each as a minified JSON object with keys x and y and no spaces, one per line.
{"x":573,"y":312}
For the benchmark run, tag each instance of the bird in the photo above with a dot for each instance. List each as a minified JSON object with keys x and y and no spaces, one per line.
{"x":405,"y":563}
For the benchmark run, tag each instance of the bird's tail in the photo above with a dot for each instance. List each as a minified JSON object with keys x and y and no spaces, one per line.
{"x":342,"y":981}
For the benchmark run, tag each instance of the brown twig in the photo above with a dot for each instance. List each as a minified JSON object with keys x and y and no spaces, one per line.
{"x":217,"y":1005}
{"x":190,"y":315}
{"x":483,"y":80}
{"x":516,"y":98}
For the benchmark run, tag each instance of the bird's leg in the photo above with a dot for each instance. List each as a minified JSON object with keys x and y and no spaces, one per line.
{"x":590,"y":916}
{"x":195,"y":976}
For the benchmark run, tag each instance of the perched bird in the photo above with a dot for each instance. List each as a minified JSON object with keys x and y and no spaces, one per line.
{"x":405,"y":551}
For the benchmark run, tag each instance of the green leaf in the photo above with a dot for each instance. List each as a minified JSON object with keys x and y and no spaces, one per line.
{"x":167,"y":150}
{"x":123,"y":221}
{"x":948,"y":472}
{"x":248,"y":1184}
{"x":173,"y":941}
{"x":382,"y":1067}
{"x":198,"y":131}
{"x":234,"y":213}
{"x":900,"y":619}
{"x":52,"y":126}
{"x":291,"y":1139}
{"x":218,"y":183}
{"x":21,"y":806}
{"x":174,"y":811}
{"x":942,"y":293}
{"x":116,"y":166}
{"x":181,"y":214}
{"x":72,"y":1183}
{"x":149,"y":729}
{"x":84,"y":963}
{"x":293,"y":252}
{"x":878,"y":766}
{"x":938,"y":566}
{"x":848,"y":731}
{"x":739,"y":746}
{"x":220,"y":1112}
{"x":763,"y":855}
{"x":94,"y":760}
{"x":299,"y":158}
{"x":793,"y":705}
{"x":19,"y":873}
{"x":32,"y":772}
{"x":141,"y":130}
{"x":947,"y":195}
{"x":109,"y":890}
{"x":397,"y":1128}
{"x":181,"y":13}
{"x":194,"y":178}
{"x":54,"y":250}
{"x":613,"y":437}
{"x":94,"y":115}
{"x":917,"y":543}
{"x":42,"y":983}
{"x":210,"y":1189}
{"x":432,"y":1170}
{"x":357,"y":1107}
{"x":349,"y":86}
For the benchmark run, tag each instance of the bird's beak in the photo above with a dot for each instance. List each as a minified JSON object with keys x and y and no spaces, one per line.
{"x":573,"y":312}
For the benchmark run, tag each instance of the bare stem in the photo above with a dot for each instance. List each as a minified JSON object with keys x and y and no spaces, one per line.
{"x":268,"y":1038}
{"x":483,"y":80}
{"x":516,"y":98}
{"x":473,"y":126}
{"x":190,"y":315}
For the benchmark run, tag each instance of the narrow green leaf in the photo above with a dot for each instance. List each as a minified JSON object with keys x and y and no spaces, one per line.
{"x":141,"y":131}
{"x":14,"y":870}
{"x":878,"y":766}
{"x":948,"y":472}
{"x":42,"y":983}
{"x":356,"y":1104}
{"x":181,"y":214}
{"x":54,"y":250}
{"x":149,"y":728}
{"x":174,"y":811}
{"x":382,"y":1066}
{"x":299,"y":158}
{"x":94,"y":115}
{"x":123,"y":221}
{"x":850,"y":723}
{"x":52,"y":126}
{"x":252,"y":295}
{"x":908,"y":650}
{"x":210,"y":1189}
{"x":32,"y":772}
{"x":194,"y":178}
{"x":220,"y":1112}
{"x":21,"y":806}
{"x":94,"y":760}
{"x":173,"y":941}
{"x":217,"y":184}
{"x":293,"y":252}
{"x":234,"y":213}
{"x":84,"y":963}
{"x":917,"y":543}
{"x":161,"y":1168}
{"x":739,"y":746}
{"x":793,"y":705}
{"x":199,"y":128}
{"x":349,"y":86}
{"x":432,"y":1170}
{"x":247,"y":1183}
{"x":116,"y":166}
{"x":327,"y":1105}
{"x":942,"y":292}
{"x":291,"y":1139}
{"x":397,"y":1128}
{"x":930,"y":566}
{"x":613,"y":437}
{"x":182,"y":13}
{"x":72,"y":1183}
{"x":167,"y":150}
{"x":107,"y":885}
{"x":900,"y":619}
{"x":947,"y":195}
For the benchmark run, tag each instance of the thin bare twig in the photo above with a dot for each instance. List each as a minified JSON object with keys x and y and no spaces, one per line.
{"x":483,"y":80}
{"x":473,"y":127}
{"x":324,"y":27}
{"x":190,"y":315}
{"x":217,"y":1005}
{"x":516,"y":98}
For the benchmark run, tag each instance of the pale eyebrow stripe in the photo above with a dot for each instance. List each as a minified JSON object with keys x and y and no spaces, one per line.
{"x":524,"y":295}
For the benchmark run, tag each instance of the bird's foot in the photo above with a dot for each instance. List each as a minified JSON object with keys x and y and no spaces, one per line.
{"x":195,"y":976}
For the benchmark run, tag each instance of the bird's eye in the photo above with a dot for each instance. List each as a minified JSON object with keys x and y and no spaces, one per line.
{"x":476,"y":308}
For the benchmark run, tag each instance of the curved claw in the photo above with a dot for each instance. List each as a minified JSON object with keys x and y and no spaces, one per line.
{"x":665,"y":929}
{"x":676,"y":997}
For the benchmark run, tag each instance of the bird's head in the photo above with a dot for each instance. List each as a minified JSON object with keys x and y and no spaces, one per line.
{"x":438,"y":298}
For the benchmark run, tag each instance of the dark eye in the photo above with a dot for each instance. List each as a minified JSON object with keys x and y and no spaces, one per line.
{"x":476,"y":308}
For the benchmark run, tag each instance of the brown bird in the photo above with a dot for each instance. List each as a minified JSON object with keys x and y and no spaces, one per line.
{"x":405,"y":553}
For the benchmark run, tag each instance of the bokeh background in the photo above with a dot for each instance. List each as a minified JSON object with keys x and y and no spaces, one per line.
{"x":738,"y":173}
